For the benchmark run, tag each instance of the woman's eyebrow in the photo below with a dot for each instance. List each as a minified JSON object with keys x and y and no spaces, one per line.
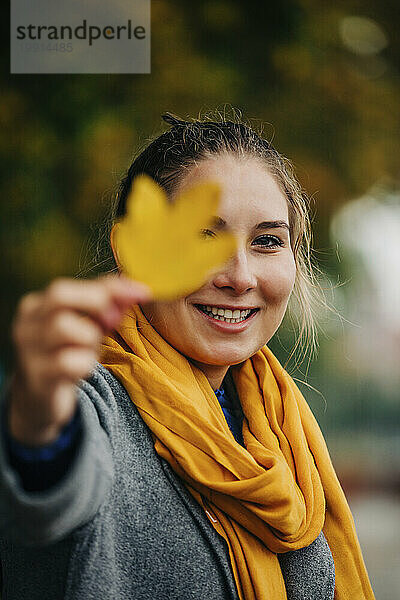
{"x":219,"y":224}
{"x":272,"y":225}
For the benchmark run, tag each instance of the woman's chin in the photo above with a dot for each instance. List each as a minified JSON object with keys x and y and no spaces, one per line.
{"x":221,"y":359}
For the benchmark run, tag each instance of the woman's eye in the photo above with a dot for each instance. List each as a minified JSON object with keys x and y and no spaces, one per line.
{"x":205,"y":233}
{"x":268,"y":241}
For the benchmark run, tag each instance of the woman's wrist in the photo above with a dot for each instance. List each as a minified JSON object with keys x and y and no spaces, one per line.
{"x":47,"y":452}
{"x":23,"y":433}
{"x":28,"y":427}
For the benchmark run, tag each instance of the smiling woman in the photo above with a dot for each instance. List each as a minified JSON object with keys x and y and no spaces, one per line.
{"x":257,"y":281}
{"x":172,"y":160}
{"x":187,"y":464}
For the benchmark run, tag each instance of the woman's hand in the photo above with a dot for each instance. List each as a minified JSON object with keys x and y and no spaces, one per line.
{"x":57,"y":335}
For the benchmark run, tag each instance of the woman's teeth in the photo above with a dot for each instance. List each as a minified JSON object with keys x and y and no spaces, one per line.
{"x":225,"y":314}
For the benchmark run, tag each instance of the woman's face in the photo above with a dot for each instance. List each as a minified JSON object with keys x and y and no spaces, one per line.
{"x":259,"y":277}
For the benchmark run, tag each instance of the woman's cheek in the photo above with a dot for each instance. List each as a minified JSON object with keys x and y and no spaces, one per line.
{"x":279,"y":282}
{"x":289,"y":273}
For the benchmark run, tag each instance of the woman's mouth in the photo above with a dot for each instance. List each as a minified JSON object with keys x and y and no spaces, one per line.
{"x":226,"y":315}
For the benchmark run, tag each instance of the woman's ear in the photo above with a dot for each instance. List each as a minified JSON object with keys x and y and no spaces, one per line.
{"x":114,"y":245}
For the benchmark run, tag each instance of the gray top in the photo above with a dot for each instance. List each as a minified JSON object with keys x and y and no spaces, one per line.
{"x":120,"y":524}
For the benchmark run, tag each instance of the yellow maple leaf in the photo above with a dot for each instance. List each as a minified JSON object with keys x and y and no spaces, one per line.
{"x":160,"y":243}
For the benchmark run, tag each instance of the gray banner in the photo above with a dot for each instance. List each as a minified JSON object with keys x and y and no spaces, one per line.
{"x":71,"y":36}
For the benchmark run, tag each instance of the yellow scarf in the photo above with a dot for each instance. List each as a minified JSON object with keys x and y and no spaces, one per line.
{"x":273,"y":496}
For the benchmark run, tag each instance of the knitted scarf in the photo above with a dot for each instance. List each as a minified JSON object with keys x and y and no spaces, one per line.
{"x":276,"y":494}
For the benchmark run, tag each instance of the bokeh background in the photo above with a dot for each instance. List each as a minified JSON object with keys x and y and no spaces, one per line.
{"x":323,"y":80}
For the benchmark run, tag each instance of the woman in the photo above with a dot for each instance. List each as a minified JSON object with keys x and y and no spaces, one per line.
{"x":188,"y":464}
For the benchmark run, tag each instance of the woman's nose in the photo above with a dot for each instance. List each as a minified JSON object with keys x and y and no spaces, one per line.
{"x":237,"y":274}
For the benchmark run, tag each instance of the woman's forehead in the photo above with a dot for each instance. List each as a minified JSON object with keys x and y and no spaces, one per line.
{"x":247,"y":187}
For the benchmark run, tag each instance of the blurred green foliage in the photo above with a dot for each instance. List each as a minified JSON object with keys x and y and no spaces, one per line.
{"x":67,"y":139}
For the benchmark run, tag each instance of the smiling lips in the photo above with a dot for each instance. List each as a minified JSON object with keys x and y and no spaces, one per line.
{"x":226,"y":314}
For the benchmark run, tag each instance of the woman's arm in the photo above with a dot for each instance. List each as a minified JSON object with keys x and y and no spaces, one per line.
{"x":57,"y":335}
{"x":42,"y":467}
{"x":45,"y":516}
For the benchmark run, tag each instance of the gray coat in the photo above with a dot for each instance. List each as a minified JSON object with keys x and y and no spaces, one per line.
{"x":120,"y":524}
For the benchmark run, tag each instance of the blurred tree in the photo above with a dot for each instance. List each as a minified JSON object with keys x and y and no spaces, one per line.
{"x":66,"y":139}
